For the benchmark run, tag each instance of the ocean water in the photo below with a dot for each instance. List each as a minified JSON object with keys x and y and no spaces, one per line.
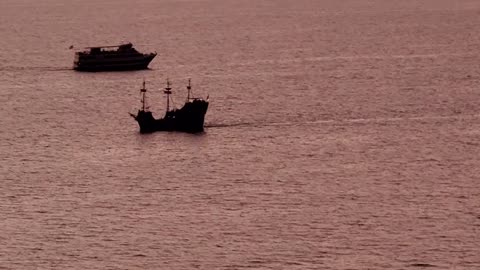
{"x":340,"y":135}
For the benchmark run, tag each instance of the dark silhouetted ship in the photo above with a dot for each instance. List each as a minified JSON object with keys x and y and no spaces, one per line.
{"x":112,"y":58}
{"x":190,"y":118}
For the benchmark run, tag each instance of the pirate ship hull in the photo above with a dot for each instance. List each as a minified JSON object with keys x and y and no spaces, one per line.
{"x":190,"y":118}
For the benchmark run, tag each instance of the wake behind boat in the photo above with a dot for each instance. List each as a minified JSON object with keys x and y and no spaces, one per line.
{"x":190,"y":118}
{"x":112,"y":58}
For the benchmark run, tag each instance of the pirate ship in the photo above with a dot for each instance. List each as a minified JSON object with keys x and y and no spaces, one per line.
{"x":189,"y":118}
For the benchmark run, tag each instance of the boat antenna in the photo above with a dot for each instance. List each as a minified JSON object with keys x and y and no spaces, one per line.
{"x":189,"y":87}
{"x":143,"y":91}
{"x":168,"y":91}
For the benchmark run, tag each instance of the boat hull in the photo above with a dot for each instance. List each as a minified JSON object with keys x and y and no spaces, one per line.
{"x":106,"y":64}
{"x":190,"y":118}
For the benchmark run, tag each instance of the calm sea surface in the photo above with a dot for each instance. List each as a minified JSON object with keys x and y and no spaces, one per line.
{"x":341,"y":134}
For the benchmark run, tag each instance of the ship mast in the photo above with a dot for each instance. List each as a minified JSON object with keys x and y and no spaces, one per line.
{"x":168,"y":91}
{"x":143,"y":91}
{"x":189,"y":87}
